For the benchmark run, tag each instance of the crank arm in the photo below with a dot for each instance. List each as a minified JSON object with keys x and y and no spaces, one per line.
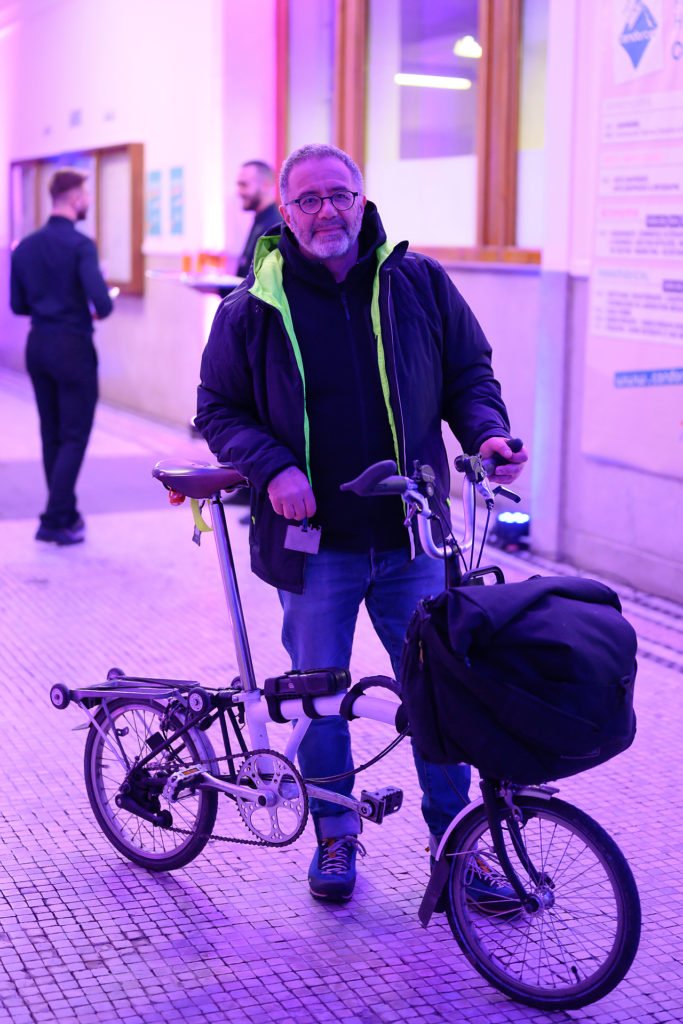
{"x":243,"y":792}
{"x":336,"y":798}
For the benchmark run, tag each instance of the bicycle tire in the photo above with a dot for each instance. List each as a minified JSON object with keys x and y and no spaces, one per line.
{"x":151,"y":846}
{"x":577,"y":947}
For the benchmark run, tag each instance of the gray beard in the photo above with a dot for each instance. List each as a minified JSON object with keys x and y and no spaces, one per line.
{"x":330,"y":248}
{"x":325,"y":248}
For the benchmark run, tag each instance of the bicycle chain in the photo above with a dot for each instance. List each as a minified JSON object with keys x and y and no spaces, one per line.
{"x":227,"y":839}
{"x":222,"y":839}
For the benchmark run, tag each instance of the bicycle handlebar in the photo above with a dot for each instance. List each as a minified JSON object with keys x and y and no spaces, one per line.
{"x":382,"y":478}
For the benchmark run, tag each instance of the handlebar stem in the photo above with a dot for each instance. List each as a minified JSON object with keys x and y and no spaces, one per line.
{"x":429,"y":545}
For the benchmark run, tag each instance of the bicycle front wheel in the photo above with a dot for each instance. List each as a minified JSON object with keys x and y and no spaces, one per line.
{"x":171,"y":834}
{"x":579,"y":940}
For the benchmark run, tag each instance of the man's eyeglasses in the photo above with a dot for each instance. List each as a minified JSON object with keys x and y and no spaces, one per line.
{"x":341,"y":200}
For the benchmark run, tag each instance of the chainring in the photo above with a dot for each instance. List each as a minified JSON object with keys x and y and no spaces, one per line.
{"x":280,"y":815}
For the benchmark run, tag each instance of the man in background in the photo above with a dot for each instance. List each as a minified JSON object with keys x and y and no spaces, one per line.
{"x":256,"y":189}
{"x":56,"y":280}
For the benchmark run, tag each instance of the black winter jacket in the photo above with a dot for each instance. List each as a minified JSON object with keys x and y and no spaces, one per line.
{"x":434,"y":363}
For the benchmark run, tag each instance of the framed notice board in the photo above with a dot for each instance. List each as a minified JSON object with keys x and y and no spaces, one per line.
{"x":115,"y":219}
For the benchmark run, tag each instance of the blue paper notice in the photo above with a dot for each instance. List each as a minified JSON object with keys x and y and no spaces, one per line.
{"x":177,"y":200}
{"x":154,"y":203}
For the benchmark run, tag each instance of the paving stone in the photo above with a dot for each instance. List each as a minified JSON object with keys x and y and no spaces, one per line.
{"x":85,"y":935}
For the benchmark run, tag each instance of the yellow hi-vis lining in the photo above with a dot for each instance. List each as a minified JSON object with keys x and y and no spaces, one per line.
{"x":383,"y":252}
{"x":197,"y":516}
{"x":269,"y":288}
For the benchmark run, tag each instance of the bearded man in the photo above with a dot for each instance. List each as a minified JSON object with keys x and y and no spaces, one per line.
{"x":338,"y":351}
{"x":256,"y":191}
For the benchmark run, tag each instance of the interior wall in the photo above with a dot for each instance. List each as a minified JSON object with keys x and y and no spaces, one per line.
{"x":616,"y":521}
{"x":178,"y":77}
{"x":248,"y":103}
{"x":505,"y":301}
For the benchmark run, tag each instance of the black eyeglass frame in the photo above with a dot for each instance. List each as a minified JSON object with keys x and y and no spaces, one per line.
{"x":312,"y":213}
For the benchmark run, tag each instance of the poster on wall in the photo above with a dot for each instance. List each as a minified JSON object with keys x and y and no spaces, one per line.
{"x":633,"y":406}
{"x":177,"y":201}
{"x":153,"y":203}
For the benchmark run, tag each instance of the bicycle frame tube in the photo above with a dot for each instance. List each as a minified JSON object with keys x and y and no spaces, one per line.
{"x":232,"y":596}
{"x":364,"y":707}
{"x":257,"y":716}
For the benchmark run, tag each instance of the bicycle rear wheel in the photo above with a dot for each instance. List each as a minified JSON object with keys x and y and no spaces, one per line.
{"x":130,"y":729}
{"x":580,"y":942}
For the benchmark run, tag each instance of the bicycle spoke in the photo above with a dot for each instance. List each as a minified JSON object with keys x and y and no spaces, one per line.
{"x":109,"y":764}
{"x":571,"y":944}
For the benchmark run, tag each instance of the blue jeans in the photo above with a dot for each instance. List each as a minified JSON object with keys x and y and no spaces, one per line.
{"x":317,"y":632}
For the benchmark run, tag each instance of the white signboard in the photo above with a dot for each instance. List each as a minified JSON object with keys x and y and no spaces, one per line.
{"x":633,"y":411}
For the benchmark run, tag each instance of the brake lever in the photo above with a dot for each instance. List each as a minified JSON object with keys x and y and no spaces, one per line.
{"x":505,"y":492}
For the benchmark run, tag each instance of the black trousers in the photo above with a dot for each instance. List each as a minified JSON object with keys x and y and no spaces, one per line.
{"x":63,"y":371}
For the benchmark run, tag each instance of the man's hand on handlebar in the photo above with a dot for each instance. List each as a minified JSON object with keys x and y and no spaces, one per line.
{"x":513,"y":462}
{"x":291,"y":495}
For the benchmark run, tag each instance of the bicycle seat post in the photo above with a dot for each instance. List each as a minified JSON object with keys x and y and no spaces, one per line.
{"x":232,"y":596}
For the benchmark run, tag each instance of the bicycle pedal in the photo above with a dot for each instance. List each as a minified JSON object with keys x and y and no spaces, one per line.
{"x":376,"y":805}
{"x":185,"y":778}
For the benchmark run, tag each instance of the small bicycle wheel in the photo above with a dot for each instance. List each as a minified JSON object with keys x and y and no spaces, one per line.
{"x":129,"y":729}
{"x":579,"y":940}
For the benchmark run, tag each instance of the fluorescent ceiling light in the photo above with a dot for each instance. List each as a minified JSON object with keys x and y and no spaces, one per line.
{"x":433,"y":81}
{"x":467,"y":46}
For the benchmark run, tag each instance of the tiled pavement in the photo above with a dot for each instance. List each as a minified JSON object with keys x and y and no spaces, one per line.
{"x":86,"y":936}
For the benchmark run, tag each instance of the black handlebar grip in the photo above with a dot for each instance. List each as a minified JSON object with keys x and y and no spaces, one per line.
{"x":515,"y":444}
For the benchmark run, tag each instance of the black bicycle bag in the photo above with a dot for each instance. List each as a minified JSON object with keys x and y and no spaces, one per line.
{"x":528,"y":681}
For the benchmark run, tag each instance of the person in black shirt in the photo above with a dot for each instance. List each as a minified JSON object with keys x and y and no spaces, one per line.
{"x":256,"y":189}
{"x":56,"y":280}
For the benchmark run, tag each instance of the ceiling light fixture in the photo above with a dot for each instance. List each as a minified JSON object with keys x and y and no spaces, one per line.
{"x":467,"y":46}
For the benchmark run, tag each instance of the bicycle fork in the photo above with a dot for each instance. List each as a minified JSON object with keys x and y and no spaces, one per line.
{"x":498,"y":808}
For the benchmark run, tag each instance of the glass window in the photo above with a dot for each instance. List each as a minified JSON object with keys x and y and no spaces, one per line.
{"x":423,"y":61}
{"x":311,"y":72}
{"x":24,"y":212}
{"x":438,"y":98}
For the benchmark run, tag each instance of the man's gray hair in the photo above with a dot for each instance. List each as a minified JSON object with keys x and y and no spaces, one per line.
{"x":317,"y":151}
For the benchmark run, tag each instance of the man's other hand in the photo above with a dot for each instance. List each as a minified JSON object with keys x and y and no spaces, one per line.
{"x":507,"y":473}
{"x":291,"y":495}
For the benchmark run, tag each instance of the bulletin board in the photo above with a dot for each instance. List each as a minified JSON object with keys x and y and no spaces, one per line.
{"x":115,"y":217}
{"x":633,"y":394}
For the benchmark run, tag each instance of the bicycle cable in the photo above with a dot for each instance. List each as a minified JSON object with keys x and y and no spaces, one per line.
{"x":474,"y":530}
{"x":483,"y":539}
{"x":445,"y":539}
{"x":355,"y":771}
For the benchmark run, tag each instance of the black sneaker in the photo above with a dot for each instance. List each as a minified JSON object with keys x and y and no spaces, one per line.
{"x":332,"y":874}
{"x":62,"y":535}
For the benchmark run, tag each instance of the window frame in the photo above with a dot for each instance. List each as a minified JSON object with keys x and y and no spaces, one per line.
{"x":135,"y":284}
{"x":497,"y":118}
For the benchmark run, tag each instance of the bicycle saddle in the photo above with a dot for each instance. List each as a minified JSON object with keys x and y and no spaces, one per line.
{"x":197,"y":479}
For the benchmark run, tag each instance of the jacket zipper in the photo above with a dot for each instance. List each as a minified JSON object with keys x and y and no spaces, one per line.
{"x":398,"y":393}
{"x":410,"y":528}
